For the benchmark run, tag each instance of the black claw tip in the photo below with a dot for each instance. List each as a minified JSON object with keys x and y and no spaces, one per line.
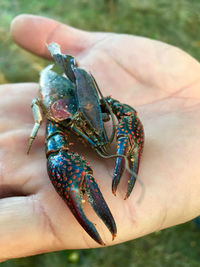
{"x":113,"y":236}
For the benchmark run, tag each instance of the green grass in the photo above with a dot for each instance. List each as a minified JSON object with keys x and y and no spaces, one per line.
{"x":173,"y":21}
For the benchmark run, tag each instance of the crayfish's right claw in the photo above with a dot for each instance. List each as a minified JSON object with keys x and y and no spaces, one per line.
{"x":74,"y":202}
{"x":71,"y":178}
{"x":99,"y":205}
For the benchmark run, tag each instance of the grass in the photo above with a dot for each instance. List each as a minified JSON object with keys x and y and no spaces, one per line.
{"x":173,"y":21}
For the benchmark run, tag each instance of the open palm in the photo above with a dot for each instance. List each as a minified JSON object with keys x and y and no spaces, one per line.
{"x":161,"y":82}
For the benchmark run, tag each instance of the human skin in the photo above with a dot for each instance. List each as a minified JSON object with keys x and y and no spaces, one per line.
{"x":161,"y":82}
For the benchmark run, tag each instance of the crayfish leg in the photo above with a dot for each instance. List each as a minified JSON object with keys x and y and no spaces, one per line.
{"x":37,"y":115}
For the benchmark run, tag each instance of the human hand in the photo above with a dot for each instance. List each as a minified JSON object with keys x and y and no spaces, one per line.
{"x":161,"y":82}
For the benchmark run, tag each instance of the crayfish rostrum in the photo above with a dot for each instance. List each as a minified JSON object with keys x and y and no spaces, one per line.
{"x":74,"y":103}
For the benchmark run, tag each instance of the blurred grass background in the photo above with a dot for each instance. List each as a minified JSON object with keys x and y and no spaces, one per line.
{"x":174,"y":21}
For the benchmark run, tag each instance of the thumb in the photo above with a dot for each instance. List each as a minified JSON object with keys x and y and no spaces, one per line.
{"x":33,"y":32}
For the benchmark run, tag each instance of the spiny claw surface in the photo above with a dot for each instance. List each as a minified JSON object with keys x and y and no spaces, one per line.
{"x":130,"y":138}
{"x":72,"y":177}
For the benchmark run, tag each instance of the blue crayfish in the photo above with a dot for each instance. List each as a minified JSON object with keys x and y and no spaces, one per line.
{"x":76,"y":104}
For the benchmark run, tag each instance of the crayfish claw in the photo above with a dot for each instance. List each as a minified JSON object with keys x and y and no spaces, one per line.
{"x":74,"y":202}
{"x":120,"y":163}
{"x":98,"y":203}
{"x":130,"y":139}
{"x":72,"y":178}
{"x":134,"y":167}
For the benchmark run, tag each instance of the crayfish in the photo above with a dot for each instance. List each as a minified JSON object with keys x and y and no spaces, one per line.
{"x":74,"y":103}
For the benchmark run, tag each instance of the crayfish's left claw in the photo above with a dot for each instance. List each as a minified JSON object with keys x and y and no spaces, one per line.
{"x":130,"y":138}
{"x":72,"y":177}
{"x":134,"y":167}
{"x":120,"y":163}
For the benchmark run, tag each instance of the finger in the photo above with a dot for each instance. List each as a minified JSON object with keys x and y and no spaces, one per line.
{"x":33,"y":32}
{"x":15,"y":100}
{"x":15,"y":103}
{"x":22,"y":224}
